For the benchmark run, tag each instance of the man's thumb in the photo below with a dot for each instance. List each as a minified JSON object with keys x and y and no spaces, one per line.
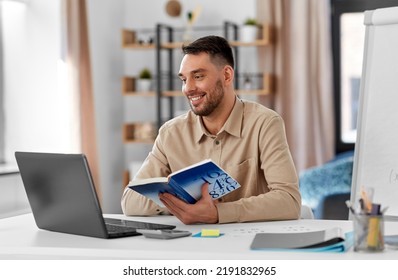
{"x":205,"y":190}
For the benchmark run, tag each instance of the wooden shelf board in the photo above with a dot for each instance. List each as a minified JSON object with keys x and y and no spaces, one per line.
{"x":256,"y":43}
{"x":138,"y":46}
{"x":136,"y":141}
{"x":172,"y":45}
{"x":252,"y":92}
{"x":139,"y":93}
{"x":172,"y":93}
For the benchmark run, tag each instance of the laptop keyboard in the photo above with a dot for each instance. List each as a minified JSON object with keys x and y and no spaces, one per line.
{"x":136,"y":224}
{"x":119,"y":229}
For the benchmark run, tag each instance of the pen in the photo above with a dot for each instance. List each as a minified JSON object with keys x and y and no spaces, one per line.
{"x":362,"y":205}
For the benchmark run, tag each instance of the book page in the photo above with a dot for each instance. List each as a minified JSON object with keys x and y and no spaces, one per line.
{"x":138,"y":182}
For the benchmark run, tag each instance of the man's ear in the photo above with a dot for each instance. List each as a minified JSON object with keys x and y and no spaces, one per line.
{"x":229,"y":74}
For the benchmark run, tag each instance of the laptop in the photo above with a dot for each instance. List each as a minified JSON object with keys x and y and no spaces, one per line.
{"x":63,"y":199}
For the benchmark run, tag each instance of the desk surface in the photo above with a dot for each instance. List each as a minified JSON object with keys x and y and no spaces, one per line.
{"x":21,"y":239}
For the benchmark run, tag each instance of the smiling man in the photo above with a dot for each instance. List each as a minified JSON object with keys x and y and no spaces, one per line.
{"x":245,"y":138}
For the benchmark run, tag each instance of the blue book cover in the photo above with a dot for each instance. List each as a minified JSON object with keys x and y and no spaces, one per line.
{"x":186,"y":183}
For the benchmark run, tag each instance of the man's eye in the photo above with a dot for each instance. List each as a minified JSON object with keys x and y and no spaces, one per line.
{"x":197,"y":77}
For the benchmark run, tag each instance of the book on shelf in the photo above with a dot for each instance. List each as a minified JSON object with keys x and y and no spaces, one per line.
{"x":186,"y":183}
{"x":326,"y":240}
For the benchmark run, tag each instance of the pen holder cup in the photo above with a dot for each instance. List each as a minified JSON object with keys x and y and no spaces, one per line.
{"x":368,"y":233}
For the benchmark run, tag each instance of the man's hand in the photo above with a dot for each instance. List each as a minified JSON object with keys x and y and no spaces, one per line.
{"x":203,"y":211}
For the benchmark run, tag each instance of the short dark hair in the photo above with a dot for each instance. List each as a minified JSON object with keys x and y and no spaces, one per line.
{"x":217,"y":47}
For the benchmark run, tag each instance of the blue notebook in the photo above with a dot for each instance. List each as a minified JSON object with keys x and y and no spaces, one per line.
{"x":186,"y":183}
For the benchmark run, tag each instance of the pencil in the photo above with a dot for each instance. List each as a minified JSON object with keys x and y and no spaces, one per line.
{"x":366,"y":200}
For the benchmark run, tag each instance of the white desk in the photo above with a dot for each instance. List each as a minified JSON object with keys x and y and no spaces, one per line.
{"x":21,"y":239}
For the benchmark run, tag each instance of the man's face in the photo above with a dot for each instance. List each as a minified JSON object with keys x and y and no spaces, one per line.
{"x":201,"y":83}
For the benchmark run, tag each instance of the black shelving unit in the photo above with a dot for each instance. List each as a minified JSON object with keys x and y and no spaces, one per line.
{"x":159,"y":86}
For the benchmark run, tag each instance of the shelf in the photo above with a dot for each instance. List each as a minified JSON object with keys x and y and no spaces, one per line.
{"x":140,"y":93}
{"x":129,"y":40}
{"x":143,"y":132}
{"x":129,"y":88}
{"x":267,"y":87}
{"x":139,"y":46}
{"x":172,"y":45}
{"x":257,"y":43}
{"x":172,"y":93}
{"x":252,"y":92}
{"x":265,"y":38}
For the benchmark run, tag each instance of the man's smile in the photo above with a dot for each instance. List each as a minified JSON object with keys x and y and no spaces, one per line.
{"x":195,"y":99}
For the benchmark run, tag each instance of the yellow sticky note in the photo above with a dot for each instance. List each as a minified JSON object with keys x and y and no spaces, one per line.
{"x":210,"y":232}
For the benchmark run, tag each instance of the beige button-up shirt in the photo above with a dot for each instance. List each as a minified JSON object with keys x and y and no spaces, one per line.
{"x":251,"y":147}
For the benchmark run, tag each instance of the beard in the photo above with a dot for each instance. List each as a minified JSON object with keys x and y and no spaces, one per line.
{"x":213,"y":99}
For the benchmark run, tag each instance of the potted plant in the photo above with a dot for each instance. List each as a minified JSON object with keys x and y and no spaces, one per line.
{"x":249,"y":30}
{"x":144,"y":80}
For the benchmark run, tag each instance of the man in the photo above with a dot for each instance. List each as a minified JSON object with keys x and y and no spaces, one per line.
{"x":245,"y":138}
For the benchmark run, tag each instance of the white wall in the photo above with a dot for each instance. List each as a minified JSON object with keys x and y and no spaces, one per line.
{"x":31,"y":50}
{"x":105,"y":19}
{"x":35,"y":121}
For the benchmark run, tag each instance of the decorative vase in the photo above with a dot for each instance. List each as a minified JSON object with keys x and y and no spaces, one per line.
{"x":143,"y":85}
{"x":187,"y":36}
{"x":248,"y":33}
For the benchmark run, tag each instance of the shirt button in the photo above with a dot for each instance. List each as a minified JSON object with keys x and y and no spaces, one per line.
{"x":217,"y":142}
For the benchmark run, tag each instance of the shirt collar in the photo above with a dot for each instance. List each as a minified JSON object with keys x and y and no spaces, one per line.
{"x":233,"y":125}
